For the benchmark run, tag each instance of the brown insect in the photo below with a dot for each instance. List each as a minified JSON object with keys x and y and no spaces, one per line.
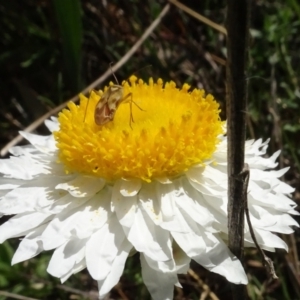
{"x":109,"y":102}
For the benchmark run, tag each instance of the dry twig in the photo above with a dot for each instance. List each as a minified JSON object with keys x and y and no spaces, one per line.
{"x":199,"y":17}
{"x":238,"y":19}
{"x":268,"y":263}
{"x":93,"y":85}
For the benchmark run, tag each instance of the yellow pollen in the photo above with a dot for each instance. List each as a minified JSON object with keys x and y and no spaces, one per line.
{"x":175,"y":130}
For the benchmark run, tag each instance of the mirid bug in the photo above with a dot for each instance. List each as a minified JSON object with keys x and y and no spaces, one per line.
{"x":109,"y":102}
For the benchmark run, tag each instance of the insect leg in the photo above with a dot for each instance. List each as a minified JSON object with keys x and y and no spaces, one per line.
{"x":86,"y":108}
{"x":128,"y":99}
{"x":131,"y":115}
{"x":124,"y":100}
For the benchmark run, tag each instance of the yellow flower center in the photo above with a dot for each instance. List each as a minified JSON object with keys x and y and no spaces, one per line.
{"x":175,"y":130}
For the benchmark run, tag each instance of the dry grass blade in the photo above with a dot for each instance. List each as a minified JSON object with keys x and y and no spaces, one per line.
{"x":199,"y":17}
{"x":93,"y":85}
{"x":207,"y":292}
{"x":91,"y":295}
{"x":292,"y":262}
{"x":15,"y":296}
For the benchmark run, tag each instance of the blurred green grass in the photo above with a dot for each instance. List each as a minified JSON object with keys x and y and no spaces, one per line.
{"x":51,"y":50}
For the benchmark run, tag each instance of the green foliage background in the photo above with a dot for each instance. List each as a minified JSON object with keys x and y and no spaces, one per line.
{"x":50,"y":50}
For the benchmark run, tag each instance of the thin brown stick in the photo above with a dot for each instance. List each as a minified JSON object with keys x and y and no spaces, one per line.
{"x":238,"y":19}
{"x":199,"y":17}
{"x":267,"y":262}
{"x":93,"y":85}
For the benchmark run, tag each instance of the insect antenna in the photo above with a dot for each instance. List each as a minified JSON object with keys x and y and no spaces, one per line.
{"x":85,"y":112}
{"x":116,"y":79}
{"x":141,"y":69}
{"x":137,"y":71}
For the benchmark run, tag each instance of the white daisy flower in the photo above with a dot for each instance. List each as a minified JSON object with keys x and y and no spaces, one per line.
{"x":94,"y":194}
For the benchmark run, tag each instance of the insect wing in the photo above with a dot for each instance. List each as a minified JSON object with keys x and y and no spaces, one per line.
{"x":102,"y":113}
{"x":114,"y":97}
{"x":107,"y":105}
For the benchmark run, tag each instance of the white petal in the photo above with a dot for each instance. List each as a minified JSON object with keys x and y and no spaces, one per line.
{"x":271,"y":220}
{"x":82,"y":186}
{"x":149,"y":203}
{"x":22,"y":224}
{"x":258,"y":175}
{"x":30,"y":246}
{"x":21,"y":167}
{"x":102,"y":249}
{"x":65,"y":257}
{"x":52,"y":124}
{"x":284,"y":188}
{"x":167,"y":195}
{"x":206,"y":186}
{"x":163,"y":180}
{"x":161,"y":266}
{"x":208,"y":175}
{"x":81,"y":221}
{"x":130,"y":187}
{"x":37,"y":197}
{"x":65,"y":202}
{"x":187,"y":201}
{"x":149,"y":238}
{"x":268,"y":240}
{"x":217,"y":177}
{"x":7,"y":184}
{"x":219,"y":260}
{"x":160,"y":284}
{"x":124,"y":207}
{"x":45,"y":144}
{"x":266,"y":198}
{"x":192,"y":239}
{"x":182,"y":261}
{"x":78,"y":266}
{"x":116,"y":271}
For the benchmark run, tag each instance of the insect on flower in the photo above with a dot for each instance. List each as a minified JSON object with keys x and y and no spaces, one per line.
{"x":109,"y":102}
